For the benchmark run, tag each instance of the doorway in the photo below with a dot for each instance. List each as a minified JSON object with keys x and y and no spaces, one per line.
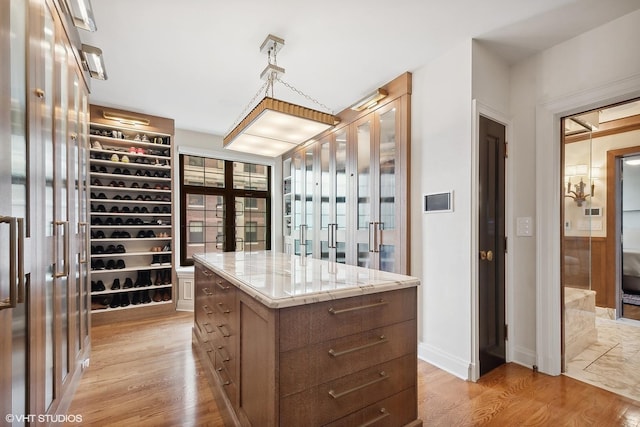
{"x":492,"y":244}
{"x":598,"y":217}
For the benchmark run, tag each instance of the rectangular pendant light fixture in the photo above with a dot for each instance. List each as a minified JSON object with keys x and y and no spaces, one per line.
{"x":274,"y":127}
{"x":93,"y":62}
{"x":126,"y":120}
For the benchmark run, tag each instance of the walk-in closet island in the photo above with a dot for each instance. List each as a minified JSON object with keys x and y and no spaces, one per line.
{"x":289,"y":340}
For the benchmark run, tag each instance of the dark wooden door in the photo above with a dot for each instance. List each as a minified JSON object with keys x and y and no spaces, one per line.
{"x":491,"y":241}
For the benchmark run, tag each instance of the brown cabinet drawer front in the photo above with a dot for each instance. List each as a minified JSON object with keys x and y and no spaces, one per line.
{"x":227,"y":384}
{"x":335,"y":399}
{"x":303,"y":368}
{"x":398,"y":410}
{"x":226,"y":358}
{"x":308,"y":324}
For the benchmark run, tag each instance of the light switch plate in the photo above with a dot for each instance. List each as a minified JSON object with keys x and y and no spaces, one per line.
{"x":524,"y":226}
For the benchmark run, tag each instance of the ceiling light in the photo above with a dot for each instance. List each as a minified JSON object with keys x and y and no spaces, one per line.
{"x":125,"y":120}
{"x":82,"y":14}
{"x":274,"y":127}
{"x":370,"y":100}
{"x":93,"y":62}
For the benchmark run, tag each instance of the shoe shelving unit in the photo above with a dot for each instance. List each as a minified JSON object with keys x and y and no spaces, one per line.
{"x":132,"y":219}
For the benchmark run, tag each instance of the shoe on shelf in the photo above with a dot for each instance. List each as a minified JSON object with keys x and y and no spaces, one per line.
{"x":125,"y":235}
{"x":120,"y":264}
{"x":111,"y":265}
{"x":110,"y":249}
{"x":96,"y":145}
{"x":126,"y":172}
{"x":115,"y":158}
{"x":99,"y":265}
{"x":102,"y":196}
{"x":150,"y":234}
{"x":116,"y":235}
{"x":103,"y":169}
{"x":126,"y":209}
{"x":166,"y":295}
{"x":157,"y":296}
{"x":137,"y":137}
{"x":99,"y":303}
{"x":120,"y":249}
{"x":165,"y":259}
{"x":135,"y":298}
{"x":128,"y":283}
{"x":117,"y":171}
{"x":115,"y":302}
{"x":145,"y":138}
{"x":156,"y":260}
{"x":124,"y":299}
{"x":100,"y":234}
{"x":114,"y":209}
{"x":145,"y":297}
{"x":116,"y":284}
{"x":133,"y":150}
{"x":124,"y":159}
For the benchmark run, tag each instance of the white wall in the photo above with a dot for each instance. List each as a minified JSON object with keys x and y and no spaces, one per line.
{"x":594,"y":69}
{"x":441,"y":129}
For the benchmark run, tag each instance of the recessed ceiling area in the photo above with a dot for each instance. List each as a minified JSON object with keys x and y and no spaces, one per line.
{"x":199,"y":62}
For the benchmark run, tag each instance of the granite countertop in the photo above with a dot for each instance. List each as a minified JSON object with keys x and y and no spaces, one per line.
{"x":279,"y":280}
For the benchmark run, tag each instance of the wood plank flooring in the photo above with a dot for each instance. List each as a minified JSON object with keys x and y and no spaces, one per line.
{"x":145,"y":373}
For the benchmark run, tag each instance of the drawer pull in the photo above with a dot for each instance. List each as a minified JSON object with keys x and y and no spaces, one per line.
{"x":223,"y":330}
{"x":207,"y":291}
{"x":222,"y":309}
{"x":221,"y":285}
{"x":223,"y":381}
{"x":384,"y":414}
{"x":207,"y":273}
{"x":381,"y":340}
{"x":224,"y":354}
{"x":204,"y":325}
{"x":382,"y":376}
{"x":206,"y":309}
{"x":362,"y":307}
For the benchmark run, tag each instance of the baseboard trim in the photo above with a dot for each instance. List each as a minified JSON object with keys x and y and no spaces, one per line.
{"x":445,"y":361}
{"x":523,"y":356}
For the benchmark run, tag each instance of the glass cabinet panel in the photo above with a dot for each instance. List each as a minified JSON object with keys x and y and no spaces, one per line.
{"x":364,"y":220}
{"x":387,"y":187}
{"x":308,"y":201}
{"x":325,"y":199}
{"x":297,"y":199}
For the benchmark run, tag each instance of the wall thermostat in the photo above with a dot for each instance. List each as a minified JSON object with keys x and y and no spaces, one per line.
{"x":438,"y":202}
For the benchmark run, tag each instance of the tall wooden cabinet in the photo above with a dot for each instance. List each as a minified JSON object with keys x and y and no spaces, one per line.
{"x":348,"y":193}
{"x":43,"y":221}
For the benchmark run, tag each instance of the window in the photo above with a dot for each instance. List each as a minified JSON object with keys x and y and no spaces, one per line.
{"x":224,"y":204}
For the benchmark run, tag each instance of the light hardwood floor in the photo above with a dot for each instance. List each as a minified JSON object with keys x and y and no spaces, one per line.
{"x":145,"y":373}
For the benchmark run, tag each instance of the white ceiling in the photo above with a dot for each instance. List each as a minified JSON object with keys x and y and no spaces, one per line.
{"x":198,"y":61}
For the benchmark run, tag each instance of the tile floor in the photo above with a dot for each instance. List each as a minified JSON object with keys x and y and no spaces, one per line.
{"x":613,"y":362}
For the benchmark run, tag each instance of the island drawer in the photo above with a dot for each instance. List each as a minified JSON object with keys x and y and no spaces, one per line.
{"x":321,"y":362}
{"x":312,"y":323}
{"x":397,"y":410}
{"x":332,"y":400}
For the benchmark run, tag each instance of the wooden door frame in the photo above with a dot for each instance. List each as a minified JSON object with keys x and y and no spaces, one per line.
{"x":613,"y":237}
{"x":479,"y":109}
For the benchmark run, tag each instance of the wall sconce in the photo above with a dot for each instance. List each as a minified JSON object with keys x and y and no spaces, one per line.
{"x":93,"y":62}
{"x":370,"y":100}
{"x":578,"y":192}
{"x":125,"y":120}
{"x":81,"y":14}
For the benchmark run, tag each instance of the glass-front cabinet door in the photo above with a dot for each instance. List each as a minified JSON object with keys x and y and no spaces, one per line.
{"x":15,"y":212}
{"x":377,"y":185}
{"x":303,"y":201}
{"x":333,"y":197}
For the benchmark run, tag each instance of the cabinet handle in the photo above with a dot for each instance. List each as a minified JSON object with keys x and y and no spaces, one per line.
{"x":330,"y":235}
{"x":360,"y":307}
{"x":383,"y":414}
{"x":207,"y":273}
{"x":221,"y":286}
{"x":84,"y":226}
{"x":65,"y":246}
{"x":206,"y":309}
{"x":222,"y":309}
{"x":204,"y":325}
{"x":378,"y":229}
{"x":371,"y":244}
{"x":39,"y":93}
{"x":381,"y":340}
{"x":225,"y":355}
{"x":16,"y":259}
{"x":219,"y":374}
{"x":223,"y":330}
{"x":382,"y":376}
{"x":207,"y":292}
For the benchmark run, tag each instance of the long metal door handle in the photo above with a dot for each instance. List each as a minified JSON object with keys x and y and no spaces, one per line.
{"x":379,"y":229}
{"x":359,"y":307}
{"x":84,"y":226}
{"x":12,"y":300}
{"x":382,"y":376}
{"x":371,"y":244}
{"x":329,"y":235}
{"x":65,"y":249}
{"x":381,"y":340}
{"x":21,"y":289}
